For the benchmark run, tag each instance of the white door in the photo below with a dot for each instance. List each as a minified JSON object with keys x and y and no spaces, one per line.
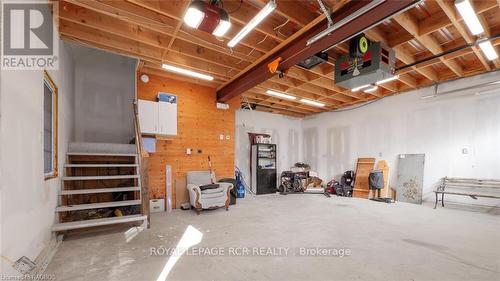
{"x":148,"y":116}
{"x":167,"y":118}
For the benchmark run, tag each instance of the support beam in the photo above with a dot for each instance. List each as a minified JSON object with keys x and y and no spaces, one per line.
{"x":295,"y":49}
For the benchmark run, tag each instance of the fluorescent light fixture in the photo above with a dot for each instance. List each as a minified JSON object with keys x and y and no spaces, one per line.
{"x":268,"y":8}
{"x":360,"y":87}
{"x":222,"y":28}
{"x":193,"y":17}
{"x":488,"y":49}
{"x":313,"y":103}
{"x":281,"y":95}
{"x":469,"y":16}
{"x":392,"y":78}
{"x":371,"y":89}
{"x":186,"y":72}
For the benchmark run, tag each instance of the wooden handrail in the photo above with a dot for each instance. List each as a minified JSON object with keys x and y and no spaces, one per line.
{"x":138,"y":139}
{"x":143,"y":164}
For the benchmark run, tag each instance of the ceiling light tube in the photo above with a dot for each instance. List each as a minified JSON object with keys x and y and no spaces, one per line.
{"x":372,"y":89}
{"x":313,"y":103}
{"x":488,"y":49}
{"x":281,"y":95}
{"x":360,"y":88}
{"x":392,"y":78}
{"x":186,"y":72}
{"x":268,"y":8}
{"x":469,"y":16}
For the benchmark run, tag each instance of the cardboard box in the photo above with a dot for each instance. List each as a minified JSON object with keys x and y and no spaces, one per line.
{"x":181,"y":193}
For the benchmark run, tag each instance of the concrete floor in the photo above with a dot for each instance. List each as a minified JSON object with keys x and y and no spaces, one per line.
{"x":387,"y":242}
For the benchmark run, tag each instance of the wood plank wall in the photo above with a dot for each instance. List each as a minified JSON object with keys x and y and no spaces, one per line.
{"x":199,"y":126}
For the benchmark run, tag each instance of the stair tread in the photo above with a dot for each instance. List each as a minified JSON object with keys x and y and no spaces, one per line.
{"x":98,"y":165}
{"x":96,"y":222}
{"x":99,"y":190}
{"x":97,"y":205}
{"x":100,"y":177}
{"x":100,"y":154}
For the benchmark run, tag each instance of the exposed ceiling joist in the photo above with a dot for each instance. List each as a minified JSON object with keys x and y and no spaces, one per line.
{"x":153,"y":31}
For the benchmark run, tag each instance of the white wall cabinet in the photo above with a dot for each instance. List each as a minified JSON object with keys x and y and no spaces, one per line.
{"x":167,"y":118}
{"x":148,"y":116}
{"x":158,"y":118}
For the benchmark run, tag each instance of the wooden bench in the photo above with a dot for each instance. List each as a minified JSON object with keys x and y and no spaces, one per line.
{"x":474,"y":188}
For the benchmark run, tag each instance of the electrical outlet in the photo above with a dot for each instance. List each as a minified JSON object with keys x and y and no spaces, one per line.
{"x":221,"y":137}
{"x":189,"y":151}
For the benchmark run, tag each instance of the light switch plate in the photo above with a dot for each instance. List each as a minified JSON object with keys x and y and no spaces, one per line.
{"x":221,"y":137}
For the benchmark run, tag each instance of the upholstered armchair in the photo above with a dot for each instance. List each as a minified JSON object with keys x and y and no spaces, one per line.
{"x":208,"y":198}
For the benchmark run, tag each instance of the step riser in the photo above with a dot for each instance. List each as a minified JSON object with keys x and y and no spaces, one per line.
{"x":98,"y":205}
{"x":100,"y":165}
{"x":98,"y":190}
{"x":101,"y":154}
{"x":100,"y":178}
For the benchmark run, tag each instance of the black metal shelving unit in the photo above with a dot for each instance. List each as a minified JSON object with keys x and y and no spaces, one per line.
{"x":264,"y":178}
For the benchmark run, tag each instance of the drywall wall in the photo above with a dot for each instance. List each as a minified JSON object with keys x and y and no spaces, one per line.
{"x":285,"y":133}
{"x":459,"y":133}
{"x":27,"y":200}
{"x":104,"y":92}
{"x":199,"y":126}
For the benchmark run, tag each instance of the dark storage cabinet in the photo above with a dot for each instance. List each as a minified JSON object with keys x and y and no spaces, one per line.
{"x":264,"y":178}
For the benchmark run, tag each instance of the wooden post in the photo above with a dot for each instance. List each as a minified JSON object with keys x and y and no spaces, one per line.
{"x":143,"y":158}
{"x":144,"y":167}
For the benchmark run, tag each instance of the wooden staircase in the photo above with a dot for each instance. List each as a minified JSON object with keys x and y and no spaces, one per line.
{"x":101,"y":186}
